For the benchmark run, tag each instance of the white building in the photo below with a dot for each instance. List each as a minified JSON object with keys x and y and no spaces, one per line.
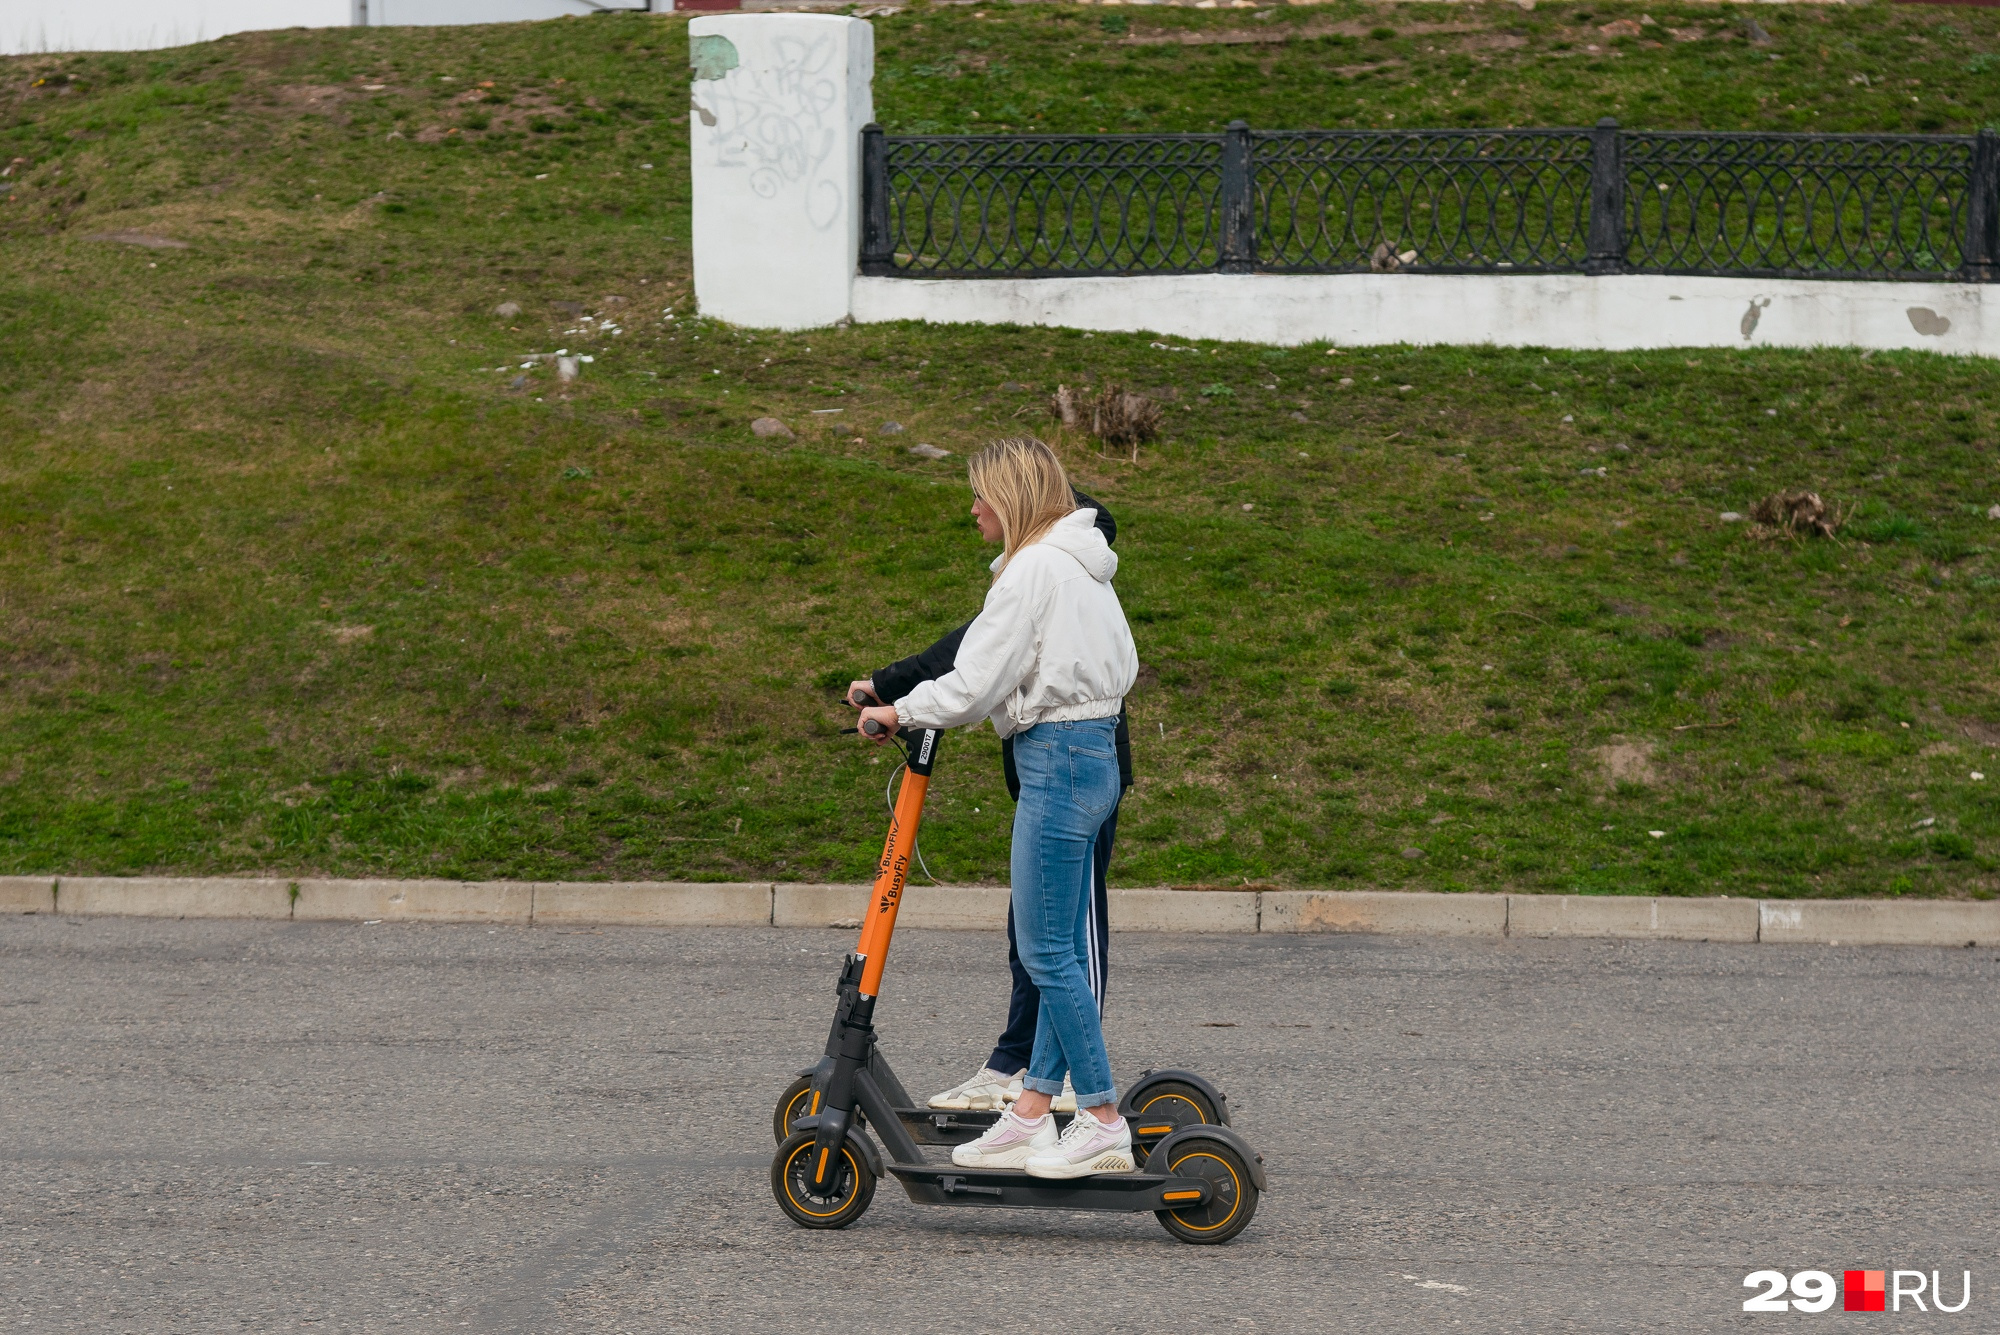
{"x":29,"y":26}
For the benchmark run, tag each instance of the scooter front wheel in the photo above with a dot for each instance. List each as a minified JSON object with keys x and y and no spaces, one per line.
{"x":845,"y":1197}
{"x":796,"y":1102}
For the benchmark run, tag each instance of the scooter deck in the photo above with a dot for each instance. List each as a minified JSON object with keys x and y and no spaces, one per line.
{"x":1005,"y":1188}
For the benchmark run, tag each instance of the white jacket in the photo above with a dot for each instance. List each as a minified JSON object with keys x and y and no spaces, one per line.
{"x":1050,"y":645}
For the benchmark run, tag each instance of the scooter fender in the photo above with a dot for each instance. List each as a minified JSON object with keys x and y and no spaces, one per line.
{"x":1129,"y":1105}
{"x":1162,"y":1153}
{"x":819,"y":1075}
{"x":866,"y":1144}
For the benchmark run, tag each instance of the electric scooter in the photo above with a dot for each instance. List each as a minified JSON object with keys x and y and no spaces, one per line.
{"x":1200,"y":1178}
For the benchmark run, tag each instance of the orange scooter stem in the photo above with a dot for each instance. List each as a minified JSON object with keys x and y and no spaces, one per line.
{"x":891,"y":874}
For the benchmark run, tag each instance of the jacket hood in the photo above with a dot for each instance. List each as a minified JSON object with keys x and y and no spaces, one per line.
{"x":1077,"y":533}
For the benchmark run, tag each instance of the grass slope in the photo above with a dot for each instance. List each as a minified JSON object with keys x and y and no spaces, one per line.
{"x":292,"y":578}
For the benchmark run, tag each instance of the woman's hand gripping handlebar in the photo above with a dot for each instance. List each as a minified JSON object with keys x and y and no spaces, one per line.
{"x":878,"y":722}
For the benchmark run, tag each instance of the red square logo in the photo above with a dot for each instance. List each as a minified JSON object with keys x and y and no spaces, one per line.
{"x":1864,"y":1290}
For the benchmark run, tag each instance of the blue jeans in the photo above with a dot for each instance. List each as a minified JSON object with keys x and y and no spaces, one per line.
{"x":1024,"y":1007}
{"x":1069,"y":784}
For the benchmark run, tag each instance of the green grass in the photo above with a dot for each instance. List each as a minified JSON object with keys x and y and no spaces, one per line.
{"x":1823,"y":67}
{"x":292,"y":579}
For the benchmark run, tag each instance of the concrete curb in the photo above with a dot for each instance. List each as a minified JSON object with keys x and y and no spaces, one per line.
{"x":416,"y":901}
{"x":652,"y":904}
{"x":172,"y":897}
{"x":1183,"y":910}
{"x":1645,"y":919}
{"x":27,"y":894}
{"x":1878,"y":922}
{"x":957,"y":908}
{"x":819,"y":905}
{"x":1384,"y":911}
{"x":1846,"y":922}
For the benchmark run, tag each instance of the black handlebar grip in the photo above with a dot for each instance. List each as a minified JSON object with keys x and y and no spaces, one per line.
{"x":872,"y":728}
{"x":858,"y":698}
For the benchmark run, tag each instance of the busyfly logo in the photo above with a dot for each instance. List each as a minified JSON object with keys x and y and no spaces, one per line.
{"x":1859,"y":1291}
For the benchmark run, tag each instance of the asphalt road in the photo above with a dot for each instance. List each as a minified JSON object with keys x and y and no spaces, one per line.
{"x":221,"y":1126}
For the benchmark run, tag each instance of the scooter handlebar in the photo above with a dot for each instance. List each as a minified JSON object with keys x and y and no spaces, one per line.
{"x":870,"y":728}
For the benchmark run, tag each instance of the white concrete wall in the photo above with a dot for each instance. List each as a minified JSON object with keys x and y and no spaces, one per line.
{"x":28,"y":26}
{"x":1546,"y":310}
{"x":779,"y":102}
{"x":425,"y":13}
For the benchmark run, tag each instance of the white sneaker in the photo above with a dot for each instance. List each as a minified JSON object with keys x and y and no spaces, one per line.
{"x":1087,"y":1146}
{"x":1064,"y":1102}
{"x":989,"y":1091}
{"x":1008,"y":1143}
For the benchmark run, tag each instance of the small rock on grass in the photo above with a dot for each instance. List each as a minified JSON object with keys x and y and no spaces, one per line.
{"x":769,"y":427}
{"x":1730,"y":517}
{"x":1994,"y":513}
{"x":1413,"y":853}
{"x":507,"y":310}
{"x":924,"y":451}
{"x":896,"y":428}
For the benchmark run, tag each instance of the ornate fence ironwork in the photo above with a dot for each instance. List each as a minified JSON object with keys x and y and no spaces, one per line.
{"x":1462,"y":200}
{"x":1597,"y":200}
{"x":1045,"y":205}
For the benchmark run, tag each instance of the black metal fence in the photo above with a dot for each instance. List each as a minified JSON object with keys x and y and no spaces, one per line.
{"x":1599,"y":200}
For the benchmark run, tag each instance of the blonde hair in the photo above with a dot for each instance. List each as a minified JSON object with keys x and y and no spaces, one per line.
{"x":1024,"y":484}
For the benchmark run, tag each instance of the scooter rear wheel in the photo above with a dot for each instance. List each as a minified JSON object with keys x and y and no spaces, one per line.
{"x":794,"y":1103}
{"x":1181,"y":1101}
{"x":1166,"y":1107}
{"x":1232,"y":1190}
{"x":844,"y":1199}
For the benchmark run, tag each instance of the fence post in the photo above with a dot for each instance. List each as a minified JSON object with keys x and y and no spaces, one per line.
{"x":878,"y":255}
{"x":1239,"y":212}
{"x":1606,"y":244}
{"x":1982,"y":210}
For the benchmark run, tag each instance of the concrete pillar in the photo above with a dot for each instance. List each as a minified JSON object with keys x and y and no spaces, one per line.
{"x":779,"y":102}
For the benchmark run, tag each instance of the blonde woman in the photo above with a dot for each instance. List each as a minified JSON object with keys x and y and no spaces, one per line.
{"x":1048,"y":660}
{"x":998,"y":1082}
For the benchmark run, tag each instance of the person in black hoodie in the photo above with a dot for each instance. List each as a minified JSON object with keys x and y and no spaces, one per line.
{"x":999,"y":1081}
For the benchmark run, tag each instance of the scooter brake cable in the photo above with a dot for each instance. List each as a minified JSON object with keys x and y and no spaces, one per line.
{"x":916,"y":846}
